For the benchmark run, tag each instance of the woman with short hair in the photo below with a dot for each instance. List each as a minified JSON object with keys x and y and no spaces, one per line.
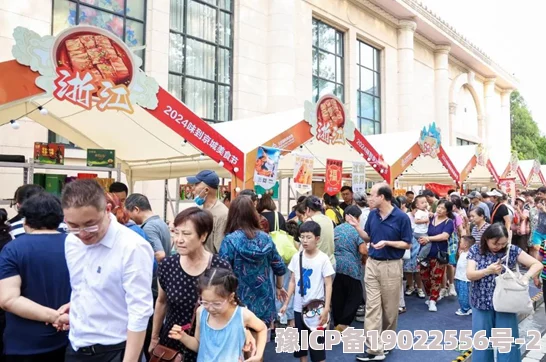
{"x":35,"y":283}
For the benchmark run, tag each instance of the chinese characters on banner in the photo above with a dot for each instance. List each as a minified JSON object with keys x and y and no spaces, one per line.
{"x":334,"y":172}
{"x":359,"y":177}
{"x":175,"y":115}
{"x":266,"y":167}
{"x":79,"y":89}
{"x":330,"y":121}
{"x":508,"y":186}
{"x":303,"y":173}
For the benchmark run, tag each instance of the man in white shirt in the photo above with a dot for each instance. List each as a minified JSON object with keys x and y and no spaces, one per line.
{"x":110,"y":273}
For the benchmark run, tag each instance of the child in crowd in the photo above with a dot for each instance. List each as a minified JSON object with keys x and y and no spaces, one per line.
{"x":221,"y":321}
{"x":421,"y":221}
{"x":316,"y":270}
{"x":462,"y":284}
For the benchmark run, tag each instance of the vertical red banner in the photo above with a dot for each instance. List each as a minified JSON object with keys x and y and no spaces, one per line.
{"x":492,"y":171}
{"x":334,"y":171}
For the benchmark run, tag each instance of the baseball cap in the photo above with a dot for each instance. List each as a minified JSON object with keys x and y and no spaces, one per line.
{"x":520,"y":199}
{"x":208,"y":177}
{"x":456,"y":194}
{"x":495,"y":193}
{"x":474,"y":195}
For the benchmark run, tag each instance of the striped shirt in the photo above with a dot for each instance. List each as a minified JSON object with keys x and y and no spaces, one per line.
{"x":478,"y":232}
{"x":17,"y":229}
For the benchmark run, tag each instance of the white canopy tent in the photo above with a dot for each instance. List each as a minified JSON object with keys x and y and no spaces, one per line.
{"x":461,"y":156}
{"x":527,"y":170}
{"x":423,"y":169}
{"x":500,"y":158}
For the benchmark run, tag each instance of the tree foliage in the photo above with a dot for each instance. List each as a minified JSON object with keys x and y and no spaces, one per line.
{"x":527,"y":141}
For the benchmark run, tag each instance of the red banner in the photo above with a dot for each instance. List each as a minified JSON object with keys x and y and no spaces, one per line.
{"x":334,"y":171}
{"x":493,"y":171}
{"x":439,"y":189}
{"x":446,"y":161}
{"x":362,"y":146}
{"x":198,"y":133}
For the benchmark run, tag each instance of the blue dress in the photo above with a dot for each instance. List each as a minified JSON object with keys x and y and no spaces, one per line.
{"x":252,"y":261}
{"x":224,"y":344}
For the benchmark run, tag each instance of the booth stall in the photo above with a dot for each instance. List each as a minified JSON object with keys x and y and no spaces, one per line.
{"x":531,"y":169}
{"x":513,"y":170}
{"x":479,"y":170}
{"x":416,"y":157}
{"x":63,"y":84}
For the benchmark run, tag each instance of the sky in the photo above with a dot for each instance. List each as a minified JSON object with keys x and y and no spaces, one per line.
{"x":511,"y":33}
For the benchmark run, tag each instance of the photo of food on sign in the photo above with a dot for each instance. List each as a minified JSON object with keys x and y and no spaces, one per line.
{"x":96,"y":54}
{"x":330,"y":121}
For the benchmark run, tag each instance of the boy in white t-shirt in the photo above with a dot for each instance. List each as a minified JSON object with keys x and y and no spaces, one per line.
{"x":315,"y":286}
{"x":421,"y":220}
{"x":462,"y":284}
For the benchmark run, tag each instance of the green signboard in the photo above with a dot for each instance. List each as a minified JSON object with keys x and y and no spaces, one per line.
{"x":101,"y":158}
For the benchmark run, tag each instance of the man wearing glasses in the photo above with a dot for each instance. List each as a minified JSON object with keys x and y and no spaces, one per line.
{"x":110,"y":270}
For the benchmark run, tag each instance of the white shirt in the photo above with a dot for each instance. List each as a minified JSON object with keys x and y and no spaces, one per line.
{"x":421,"y":228}
{"x":460,"y":272}
{"x":111,"y":286}
{"x":314,"y":272}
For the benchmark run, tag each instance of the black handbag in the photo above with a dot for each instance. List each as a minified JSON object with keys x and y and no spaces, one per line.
{"x":443,"y":257}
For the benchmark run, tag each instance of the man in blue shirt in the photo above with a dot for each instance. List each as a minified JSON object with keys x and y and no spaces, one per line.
{"x":388,"y":230}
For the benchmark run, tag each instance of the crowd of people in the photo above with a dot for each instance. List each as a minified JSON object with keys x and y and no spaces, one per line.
{"x":97,"y":276}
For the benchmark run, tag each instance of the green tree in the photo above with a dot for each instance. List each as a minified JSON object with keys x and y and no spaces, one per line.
{"x":527,"y":141}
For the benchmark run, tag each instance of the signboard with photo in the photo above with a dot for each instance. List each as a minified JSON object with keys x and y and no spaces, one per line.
{"x":303,"y":173}
{"x":266,"y":167}
{"x":101,"y":158}
{"x":49,"y":153}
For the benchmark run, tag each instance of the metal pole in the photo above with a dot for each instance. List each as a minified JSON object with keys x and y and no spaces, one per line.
{"x":177,"y":196}
{"x":280,"y":195}
{"x":166,"y":200}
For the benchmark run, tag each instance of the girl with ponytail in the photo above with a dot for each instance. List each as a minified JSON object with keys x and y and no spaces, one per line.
{"x":220,"y":321}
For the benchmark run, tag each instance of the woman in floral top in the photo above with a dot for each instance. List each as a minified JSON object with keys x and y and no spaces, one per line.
{"x":252,"y":255}
{"x":484,"y":264}
{"x":347,"y":287}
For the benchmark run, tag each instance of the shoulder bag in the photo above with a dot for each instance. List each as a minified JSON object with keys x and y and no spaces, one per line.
{"x":312,"y":310}
{"x":165,"y":354}
{"x":510,"y":294}
{"x":283,"y":242}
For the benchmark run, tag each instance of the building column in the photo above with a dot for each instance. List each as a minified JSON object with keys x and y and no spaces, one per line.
{"x":489,"y":93}
{"x":441,"y":92}
{"x":282,"y":56}
{"x":406,"y":30}
{"x":506,"y":137}
{"x":452,"y":120}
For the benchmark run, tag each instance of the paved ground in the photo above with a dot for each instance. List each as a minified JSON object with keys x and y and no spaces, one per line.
{"x":417,"y":317}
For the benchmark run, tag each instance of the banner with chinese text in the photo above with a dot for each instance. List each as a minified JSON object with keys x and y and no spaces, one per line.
{"x":508,"y":186}
{"x":303,"y":173}
{"x":359,"y":177}
{"x":266,"y":167}
{"x":334,"y":171}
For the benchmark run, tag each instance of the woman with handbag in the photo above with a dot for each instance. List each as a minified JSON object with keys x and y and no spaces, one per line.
{"x":178,"y":277}
{"x":432,"y":269}
{"x":491,"y":257}
{"x":253,"y":255}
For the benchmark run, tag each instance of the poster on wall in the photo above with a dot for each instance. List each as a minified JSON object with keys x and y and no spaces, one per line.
{"x":359,"y":177}
{"x":334,"y":171}
{"x":49,"y":153}
{"x":508,"y":186}
{"x":266,"y":168}
{"x":303,"y":173}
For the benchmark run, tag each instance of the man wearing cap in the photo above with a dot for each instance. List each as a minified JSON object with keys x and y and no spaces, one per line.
{"x":476,"y":201}
{"x":205,"y":190}
{"x":500,"y":210}
{"x":486,"y":199}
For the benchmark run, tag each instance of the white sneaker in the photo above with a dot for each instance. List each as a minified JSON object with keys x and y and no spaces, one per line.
{"x":461,"y":313}
{"x":443,"y":293}
{"x":410,"y":291}
{"x":432,"y":306}
{"x":452,"y":292}
{"x":420,"y":293}
{"x":427,"y":302}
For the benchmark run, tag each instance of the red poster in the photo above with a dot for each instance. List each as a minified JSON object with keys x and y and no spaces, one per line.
{"x":362,"y":146}
{"x":334,"y":171}
{"x":439,"y":189}
{"x":197,"y":132}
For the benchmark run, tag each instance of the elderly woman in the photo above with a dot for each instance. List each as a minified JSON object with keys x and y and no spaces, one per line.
{"x":253,"y":255}
{"x":484,"y":264}
{"x":34,"y":283}
{"x":178,"y":278}
{"x":432,"y":270}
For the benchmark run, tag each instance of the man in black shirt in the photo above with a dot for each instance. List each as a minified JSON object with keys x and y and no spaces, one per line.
{"x":347,"y":195}
{"x":500,"y":211}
